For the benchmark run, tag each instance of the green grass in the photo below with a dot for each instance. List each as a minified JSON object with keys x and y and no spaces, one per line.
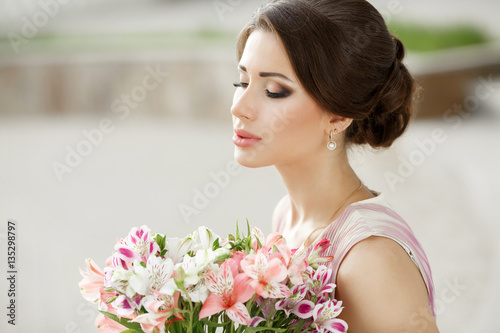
{"x":120,"y":42}
{"x":414,"y":36}
{"x":422,"y":38}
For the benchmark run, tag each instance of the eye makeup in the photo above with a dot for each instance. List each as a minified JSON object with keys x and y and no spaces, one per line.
{"x":280,"y":94}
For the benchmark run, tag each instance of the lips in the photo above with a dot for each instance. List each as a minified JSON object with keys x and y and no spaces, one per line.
{"x":243,"y":138}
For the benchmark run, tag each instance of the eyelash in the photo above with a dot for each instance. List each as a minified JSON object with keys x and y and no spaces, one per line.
{"x":283,"y":94}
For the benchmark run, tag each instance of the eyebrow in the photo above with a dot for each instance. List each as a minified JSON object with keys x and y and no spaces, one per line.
{"x":267,"y":74}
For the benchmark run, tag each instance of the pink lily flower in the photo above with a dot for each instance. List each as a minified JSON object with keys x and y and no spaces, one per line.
{"x":257,"y":237}
{"x":107,"y":325}
{"x":316,"y":256}
{"x":138,"y":245}
{"x":317,"y":281}
{"x":256,"y":321}
{"x":296,"y":268}
{"x":277,"y":247}
{"x":92,"y":285}
{"x":296,"y":303}
{"x":236,"y":259}
{"x":268,"y":305}
{"x":229,"y":290}
{"x":160,"y":308}
{"x":325,"y":317}
{"x":266,"y":276}
{"x":93,"y":281}
{"x":126,"y":307}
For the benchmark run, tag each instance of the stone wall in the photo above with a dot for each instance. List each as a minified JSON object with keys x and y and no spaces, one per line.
{"x":195,"y":83}
{"x":181,"y":83}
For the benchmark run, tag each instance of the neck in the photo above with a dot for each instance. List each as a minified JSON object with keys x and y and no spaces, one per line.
{"x":318,"y":186}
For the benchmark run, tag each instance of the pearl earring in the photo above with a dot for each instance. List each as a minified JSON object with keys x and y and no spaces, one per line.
{"x":331,"y":145}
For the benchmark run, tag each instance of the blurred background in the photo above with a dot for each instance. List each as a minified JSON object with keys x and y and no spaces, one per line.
{"x":115,"y":114}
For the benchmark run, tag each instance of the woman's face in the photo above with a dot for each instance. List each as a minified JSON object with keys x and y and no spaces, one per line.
{"x":275,"y":121}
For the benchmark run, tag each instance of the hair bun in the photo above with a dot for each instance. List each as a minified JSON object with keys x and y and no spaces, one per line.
{"x":393,"y":109}
{"x":400,"y":50}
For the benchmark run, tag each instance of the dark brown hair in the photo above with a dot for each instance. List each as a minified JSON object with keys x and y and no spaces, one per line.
{"x":347,"y":60}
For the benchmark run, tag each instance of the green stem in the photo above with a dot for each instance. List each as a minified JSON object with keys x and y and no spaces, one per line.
{"x":250,"y":304}
{"x":271,"y":315}
{"x":190,"y":327}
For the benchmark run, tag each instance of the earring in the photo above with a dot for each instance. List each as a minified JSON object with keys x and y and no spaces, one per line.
{"x":331,"y":145}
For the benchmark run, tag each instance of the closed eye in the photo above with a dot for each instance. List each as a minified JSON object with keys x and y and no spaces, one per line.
{"x":281,"y":94}
{"x":240,"y":84}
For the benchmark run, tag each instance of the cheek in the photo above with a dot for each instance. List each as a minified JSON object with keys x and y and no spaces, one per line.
{"x":301,"y":124}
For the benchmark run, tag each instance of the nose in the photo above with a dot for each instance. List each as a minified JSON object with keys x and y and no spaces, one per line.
{"x":243,"y":106}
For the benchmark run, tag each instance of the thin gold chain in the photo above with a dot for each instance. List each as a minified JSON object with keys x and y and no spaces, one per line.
{"x":329,"y":220}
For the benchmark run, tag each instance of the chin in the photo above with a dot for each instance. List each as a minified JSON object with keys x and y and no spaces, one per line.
{"x":249,"y":158}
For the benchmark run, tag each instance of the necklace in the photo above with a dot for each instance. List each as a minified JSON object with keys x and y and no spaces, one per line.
{"x":304,"y":244}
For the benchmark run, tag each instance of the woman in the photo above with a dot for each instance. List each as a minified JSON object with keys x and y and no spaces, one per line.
{"x":317,"y":76}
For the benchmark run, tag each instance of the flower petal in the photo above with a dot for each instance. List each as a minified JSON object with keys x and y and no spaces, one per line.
{"x":275,"y":271}
{"x":336,"y":326}
{"x":256,"y":321}
{"x":212,"y":305}
{"x":242,"y":289}
{"x":239,"y":313}
{"x":304,"y":309}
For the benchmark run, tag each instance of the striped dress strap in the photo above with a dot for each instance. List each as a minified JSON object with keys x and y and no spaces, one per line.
{"x":362,"y":220}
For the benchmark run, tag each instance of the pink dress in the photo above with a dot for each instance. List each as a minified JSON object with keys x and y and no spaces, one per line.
{"x":370,"y":217}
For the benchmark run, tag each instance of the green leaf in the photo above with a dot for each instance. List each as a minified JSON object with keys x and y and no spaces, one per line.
{"x":248,"y":228}
{"x":111,"y":299}
{"x":160,"y":240}
{"x":298,"y":328}
{"x":260,"y":244}
{"x":130,"y":331}
{"x":237,"y":231}
{"x":215,"y":245}
{"x":124,"y":321}
{"x":248,"y":244}
{"x":212,"y":324}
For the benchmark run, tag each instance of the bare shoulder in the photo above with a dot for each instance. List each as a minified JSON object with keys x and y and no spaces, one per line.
{"x":382,"y":289}
{"x":278,"y":211}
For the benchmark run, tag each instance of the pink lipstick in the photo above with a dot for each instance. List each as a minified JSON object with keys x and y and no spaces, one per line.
{"x":243,"y":138}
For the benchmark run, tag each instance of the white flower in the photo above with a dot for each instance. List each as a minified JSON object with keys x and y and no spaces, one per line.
{"x":177,"y":248}
{"x":199,"y":292}
{"x":196,"y":266}
{"x":120,"y":280}
{"x":203,"y":238}
{"x":194,"y":269}
{"x":154,"y":277}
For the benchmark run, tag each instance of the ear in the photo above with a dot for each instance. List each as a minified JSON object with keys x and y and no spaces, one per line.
{"x":336,"y":122}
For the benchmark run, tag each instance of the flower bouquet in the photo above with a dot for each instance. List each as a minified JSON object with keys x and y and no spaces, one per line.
{"x":205,"y":283}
